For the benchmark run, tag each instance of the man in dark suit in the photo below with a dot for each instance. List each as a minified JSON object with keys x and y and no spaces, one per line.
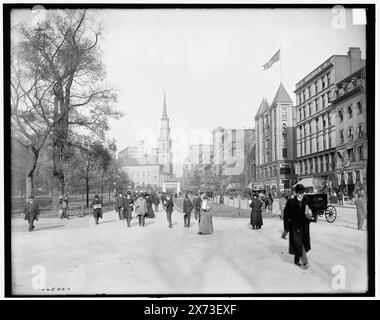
{"x":31,"y":212}
{"x":197,"y":202}
{"x":296,"y":222}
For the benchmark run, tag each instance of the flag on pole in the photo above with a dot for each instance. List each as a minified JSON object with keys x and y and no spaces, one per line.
{"x":272,"y":60}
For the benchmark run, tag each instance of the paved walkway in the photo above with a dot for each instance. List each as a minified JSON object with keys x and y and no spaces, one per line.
{"x":110,"y":258}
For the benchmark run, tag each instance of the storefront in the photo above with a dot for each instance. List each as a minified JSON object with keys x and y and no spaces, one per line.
{"x":351,"y":180}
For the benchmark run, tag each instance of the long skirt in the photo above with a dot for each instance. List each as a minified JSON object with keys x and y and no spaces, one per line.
{"x":205,"y":223}
{"x":150,"y":212}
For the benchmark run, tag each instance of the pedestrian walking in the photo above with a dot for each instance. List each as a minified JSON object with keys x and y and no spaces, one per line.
{"x":197,"y":201}
{"x":149,"y":205}
{"x":119,"y":205}
{"x":361,"y":210}
{"x":205,"y":222}
{"x":283,"y":201}
{"x":187,"y":208}
{"x":340,"y":197}
{"x":256,"y":212}
{"x":169,"y":206}
{"x":31,"y":212}
{"x":156,"y":201}
{"x":97,"y":211}
{"x":297,"y":223}
{"x":141,"y":209}
{"x":128,"y":208}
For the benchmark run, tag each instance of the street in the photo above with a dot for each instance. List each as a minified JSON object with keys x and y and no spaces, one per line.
{"x":80,"y":257}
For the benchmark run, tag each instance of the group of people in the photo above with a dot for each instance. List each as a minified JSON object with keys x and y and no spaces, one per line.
{"x":295,"y":214}
{"x":142,"y":204}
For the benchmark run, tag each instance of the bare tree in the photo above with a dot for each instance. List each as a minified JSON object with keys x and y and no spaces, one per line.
{"x":59,"y":90}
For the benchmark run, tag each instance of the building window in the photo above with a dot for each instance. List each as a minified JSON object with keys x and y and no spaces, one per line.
{"x":324,"y":122}
{"x":329,"y":78}
{"x":311,"y":145}
{"x":330,"y":141}
{"x":329,"y":119}
{"x":350,"y":134}
{"x":341,"y":136}
{"x":360,"y":131}
{"x":304,"y":112}
{"x":324,"y":142}
{"x":316,"y":105}
{"x":360,"y":152}
{"x":359,"y":106}
{"x":316,"y":125}
{"x":309,"y":92}
{"x":321,"y":163}
{"x":284,"y":113}
{"x":323,"y":83}
{"x":317,"y":144}
{"x":309,"y":106}
{"x":340,"y":115}
{"x":349,"y":109}
{"x":323,"y":101}
{"x":316,"y":87}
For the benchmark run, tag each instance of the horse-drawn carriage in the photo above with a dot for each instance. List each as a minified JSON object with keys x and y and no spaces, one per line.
{"x":318,"y":203}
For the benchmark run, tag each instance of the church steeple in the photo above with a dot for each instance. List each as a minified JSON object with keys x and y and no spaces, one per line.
{"x":164,"y":113}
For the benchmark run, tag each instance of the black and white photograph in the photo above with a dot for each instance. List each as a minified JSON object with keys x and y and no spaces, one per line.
{"x":182,"y":150}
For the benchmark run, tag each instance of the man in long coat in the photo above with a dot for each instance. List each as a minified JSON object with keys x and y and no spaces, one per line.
{"x":31,"y":212}
{"x":197,"y":202}
{"x":141,"y":209}
{"x":128,"y":208}
{"x":187,"y":208}
{"x":297,"y":223}
{"x":119,"y":205}
{"x":169,"y":206}
{"x":361,"y":210}
{"x":256,"y":213}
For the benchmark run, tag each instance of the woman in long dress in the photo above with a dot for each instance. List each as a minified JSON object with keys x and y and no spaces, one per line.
{"x":149,"y":205}
{"x":205,"y":223}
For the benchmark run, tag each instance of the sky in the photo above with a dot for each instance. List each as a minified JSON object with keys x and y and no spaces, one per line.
{"x":209,"y":63}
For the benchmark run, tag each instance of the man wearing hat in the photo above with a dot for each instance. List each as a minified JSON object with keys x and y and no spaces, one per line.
{"x":128,"y":208}
{"x":119,"y":205}
{"x":141,"y":209}
{"x":31,"y":212}
{"x":297,"y":222}
{"x":97,"y":205}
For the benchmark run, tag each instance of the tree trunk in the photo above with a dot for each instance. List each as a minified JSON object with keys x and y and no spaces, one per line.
{"x":87,"y":190}
{"x":102,"y":183}
{"x":31,"y":166}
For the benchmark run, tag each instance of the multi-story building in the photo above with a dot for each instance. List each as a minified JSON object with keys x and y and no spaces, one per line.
{"x":232,"y":151}
{"x":146,"y":174}
{"x":315,"y":127}
{"x":351,"y":138}
{"x":165,"y":154}
{"x":275,"y":143}
{"x":201,"y":154}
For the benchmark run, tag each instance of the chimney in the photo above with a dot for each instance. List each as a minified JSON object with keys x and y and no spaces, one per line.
{"x":355,"y":58}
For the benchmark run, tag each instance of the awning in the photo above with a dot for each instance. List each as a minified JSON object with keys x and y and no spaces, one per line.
{"x":307,"y":183}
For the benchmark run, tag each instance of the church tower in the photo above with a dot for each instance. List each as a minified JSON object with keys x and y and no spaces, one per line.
{"x":165,"y":154}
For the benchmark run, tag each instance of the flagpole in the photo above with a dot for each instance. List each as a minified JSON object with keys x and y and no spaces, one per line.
{"x":280,"y":64}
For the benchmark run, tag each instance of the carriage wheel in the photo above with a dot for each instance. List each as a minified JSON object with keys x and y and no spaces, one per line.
{"x":330,"y":214}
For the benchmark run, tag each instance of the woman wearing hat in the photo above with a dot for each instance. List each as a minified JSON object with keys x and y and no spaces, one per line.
{"x":205,"y":223}
{"x":297,"y":222}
